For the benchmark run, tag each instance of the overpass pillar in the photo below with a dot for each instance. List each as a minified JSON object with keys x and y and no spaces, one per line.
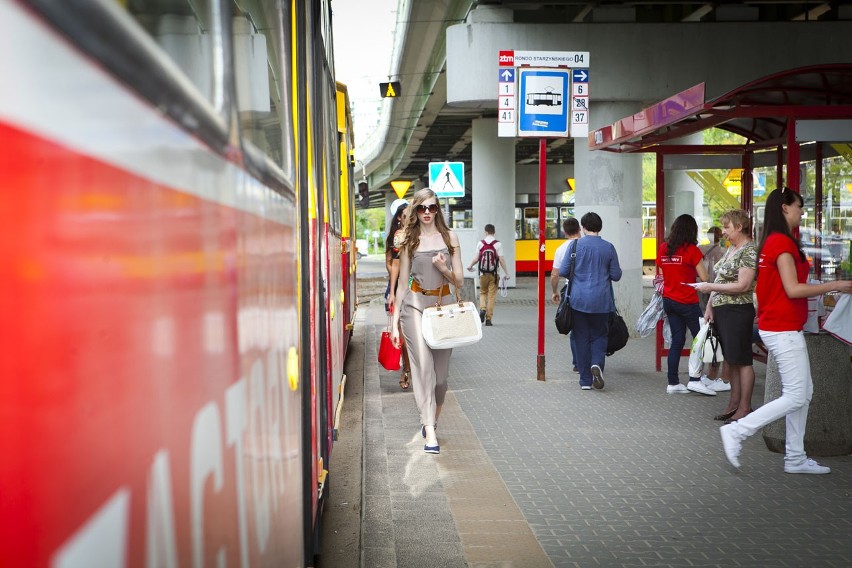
{"x":611,"y":185}
{"x":493,"y":188}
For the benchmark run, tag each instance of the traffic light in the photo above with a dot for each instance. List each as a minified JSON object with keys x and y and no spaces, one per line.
{"x":390,"y":89}
{"x":363,"y":195}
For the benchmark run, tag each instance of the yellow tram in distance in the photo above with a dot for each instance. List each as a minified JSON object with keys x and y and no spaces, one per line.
{"x":526,"y":234}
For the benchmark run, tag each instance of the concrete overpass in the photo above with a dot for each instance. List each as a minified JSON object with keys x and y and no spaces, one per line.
{"x":421,"y":126}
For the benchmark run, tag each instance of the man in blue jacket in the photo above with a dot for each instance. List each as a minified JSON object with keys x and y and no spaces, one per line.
{"x":595,"y":268}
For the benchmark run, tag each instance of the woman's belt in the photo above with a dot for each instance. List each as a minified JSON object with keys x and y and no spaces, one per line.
{"x":442,"y":291}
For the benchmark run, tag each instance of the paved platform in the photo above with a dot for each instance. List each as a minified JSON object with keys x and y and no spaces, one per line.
{"x":541,"y":473}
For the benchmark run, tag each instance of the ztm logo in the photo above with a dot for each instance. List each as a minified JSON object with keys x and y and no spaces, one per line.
{"x":506,"y":58}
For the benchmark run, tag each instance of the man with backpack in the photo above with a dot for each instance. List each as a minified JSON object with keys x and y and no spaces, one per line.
{"x":489,"y":256}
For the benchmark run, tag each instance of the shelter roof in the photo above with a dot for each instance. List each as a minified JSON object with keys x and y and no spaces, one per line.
{"x":758,"y":111}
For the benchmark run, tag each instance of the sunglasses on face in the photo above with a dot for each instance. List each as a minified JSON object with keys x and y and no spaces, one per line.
{"x":433,"y":208}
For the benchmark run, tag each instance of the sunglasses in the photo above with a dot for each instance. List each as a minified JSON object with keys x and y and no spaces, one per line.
{"x":433,"y":208}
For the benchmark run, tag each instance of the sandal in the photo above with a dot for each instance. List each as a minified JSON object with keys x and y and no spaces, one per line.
{"x":404,"y":382}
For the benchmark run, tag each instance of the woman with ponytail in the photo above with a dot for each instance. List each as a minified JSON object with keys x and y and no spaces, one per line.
{"x":782,"y":309}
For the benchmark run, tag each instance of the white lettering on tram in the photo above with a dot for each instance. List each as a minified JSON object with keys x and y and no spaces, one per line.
{"x":235,"y":423}
{"x":161,"y":545}
{"x":256,"y":416}
{"x":205,"y":460}
{"x":259,"y":454}
{"x":102,"y":541}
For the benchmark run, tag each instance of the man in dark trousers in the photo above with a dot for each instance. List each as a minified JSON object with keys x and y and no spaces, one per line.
{"x":489,"y":255}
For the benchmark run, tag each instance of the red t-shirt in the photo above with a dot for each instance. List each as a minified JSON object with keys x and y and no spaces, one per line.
{"x":775,"y":310}
{"x":677,"y":269}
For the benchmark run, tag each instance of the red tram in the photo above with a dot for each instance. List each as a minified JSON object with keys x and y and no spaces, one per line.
{"x":177,"y":280}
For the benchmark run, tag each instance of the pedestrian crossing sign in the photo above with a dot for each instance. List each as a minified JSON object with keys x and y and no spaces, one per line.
{"x":446,"y":179}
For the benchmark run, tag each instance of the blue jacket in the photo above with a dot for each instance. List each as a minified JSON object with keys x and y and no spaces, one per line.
{"x":595,"y":267}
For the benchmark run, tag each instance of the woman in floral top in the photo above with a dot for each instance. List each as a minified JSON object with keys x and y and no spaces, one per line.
{"x":731,"y":309}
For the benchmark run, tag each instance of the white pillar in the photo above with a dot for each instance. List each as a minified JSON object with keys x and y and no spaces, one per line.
{"x":493,"y":188}
{"x":610,"y":184}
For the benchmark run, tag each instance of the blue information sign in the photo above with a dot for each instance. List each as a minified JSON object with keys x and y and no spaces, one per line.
{"x":544,"y":95}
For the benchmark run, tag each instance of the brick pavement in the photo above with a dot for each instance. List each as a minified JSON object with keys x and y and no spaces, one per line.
{"x":627,"y":476}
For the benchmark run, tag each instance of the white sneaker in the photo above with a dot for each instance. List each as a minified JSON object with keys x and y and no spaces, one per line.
{"x":705,"y":380}
{"x":807,"y":466}
{"x":676,"y":389}
{"x":717,"y":385}
{"x":731,"y":445}
{"x":696,"y":386}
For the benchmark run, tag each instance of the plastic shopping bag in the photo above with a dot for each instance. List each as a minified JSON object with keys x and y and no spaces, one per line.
{"x":839,"y":321}
{"x":696,"y":355}
{"x":647,"y":322}
{"x":816,"y":310}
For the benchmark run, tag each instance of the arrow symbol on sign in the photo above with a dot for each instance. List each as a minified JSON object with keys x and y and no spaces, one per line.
{"x":506,"y":75}
{"x":580,"y":75}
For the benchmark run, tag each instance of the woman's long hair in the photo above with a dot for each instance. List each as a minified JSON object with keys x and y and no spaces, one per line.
{"x":774,"y":220}
{"x":395,"y":225}
{"x":684,"y":231}
{"x":412,"y":226}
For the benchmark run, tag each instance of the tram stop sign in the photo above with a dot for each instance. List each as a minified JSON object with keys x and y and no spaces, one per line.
{"x":544,"y":102}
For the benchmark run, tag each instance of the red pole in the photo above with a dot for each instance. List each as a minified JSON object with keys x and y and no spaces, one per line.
{"x":542,"y":182}
{"x":793,"y":176}
{"x":818,"y":213}
{"x":747,"y":197}
{"x":661,"y":236}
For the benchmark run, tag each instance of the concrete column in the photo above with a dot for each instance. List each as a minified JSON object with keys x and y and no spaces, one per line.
{"x":684,"y":196}
{"x":829,"y":428}
{"x":493,"y":190}
{"x":611,"y":185}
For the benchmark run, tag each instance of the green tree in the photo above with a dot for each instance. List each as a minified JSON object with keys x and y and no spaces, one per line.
{"x":372,"y":220}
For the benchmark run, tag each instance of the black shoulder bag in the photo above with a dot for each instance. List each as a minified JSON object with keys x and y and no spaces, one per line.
{"x":564,"y":315}
{"x":618,"y":333}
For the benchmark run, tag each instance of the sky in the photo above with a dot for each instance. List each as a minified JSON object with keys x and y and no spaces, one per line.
{"x":363,"y":41}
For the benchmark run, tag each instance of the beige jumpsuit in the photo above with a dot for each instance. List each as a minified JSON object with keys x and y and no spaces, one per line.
{"x":429,"y":367}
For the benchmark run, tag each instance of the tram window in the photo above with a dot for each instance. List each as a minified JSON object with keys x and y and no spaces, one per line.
{"x":184,"y":30}
{"x":462,"y":219}
{"x":262,"y":85}
{"x":529,"y":223}
{"x":551,"y":229}
{"x":649,"y":221}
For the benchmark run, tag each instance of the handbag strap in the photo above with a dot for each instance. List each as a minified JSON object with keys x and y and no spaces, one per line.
{"x":612,"y":294}
{"x":441,"y":294}
{"x":573,"y":252}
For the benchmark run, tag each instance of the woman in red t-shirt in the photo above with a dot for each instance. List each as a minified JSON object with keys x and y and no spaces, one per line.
{"x":782,"y":310}
{"x":679,"y":259}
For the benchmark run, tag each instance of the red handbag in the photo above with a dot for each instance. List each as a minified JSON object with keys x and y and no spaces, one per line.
{"x":389,"y":354}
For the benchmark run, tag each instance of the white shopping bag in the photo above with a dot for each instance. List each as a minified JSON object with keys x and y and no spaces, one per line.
{"x":839,"y":321}
{"x":696,"y":355}
{"x":816,"y":309}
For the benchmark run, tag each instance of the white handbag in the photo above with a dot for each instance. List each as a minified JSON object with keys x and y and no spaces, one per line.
{"x":712,"y":348}
{"x":453,"y":325}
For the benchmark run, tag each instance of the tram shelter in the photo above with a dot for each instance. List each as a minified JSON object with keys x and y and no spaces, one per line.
{"x":795,"y":116}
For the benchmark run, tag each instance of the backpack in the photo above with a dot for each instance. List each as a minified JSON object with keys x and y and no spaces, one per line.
{"x":488,"y":259}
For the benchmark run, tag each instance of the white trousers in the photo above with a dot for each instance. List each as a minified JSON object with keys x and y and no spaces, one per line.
{"x":790,"y":352}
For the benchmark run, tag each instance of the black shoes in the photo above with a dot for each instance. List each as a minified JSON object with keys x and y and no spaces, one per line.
{"x":481,"y":315}
{"x":488,"y":322}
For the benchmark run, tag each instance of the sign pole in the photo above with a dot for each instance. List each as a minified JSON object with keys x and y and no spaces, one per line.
{"x":542,"y":182}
